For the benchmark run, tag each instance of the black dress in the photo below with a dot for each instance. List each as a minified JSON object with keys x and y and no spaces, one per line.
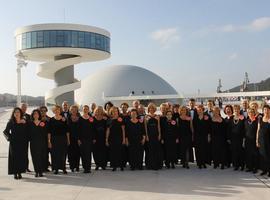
{"x":125,"y":149}
{"x":58,"y":130}
{"x":154,"y":148}
{"x":236,"y":134}
{"x":86,"y":136}
{"x":264,"y":149}
{"x":185,"y":139}
{"x":219,"y":144}
{"x":74,"y":154}
{"x":115,"y":142}
{"x":38,"y":145}
{"x":135,"y":132}
{"x":170,"y":134}
{"x":202,"y":129}
{"x":100,"y":149}
{"x":228,"y":160}
{"x":17,"y":135}
{"x":251,"y":150}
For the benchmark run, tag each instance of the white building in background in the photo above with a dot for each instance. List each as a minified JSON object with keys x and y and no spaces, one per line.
{"x":125,"y":83}
{"x":60,"y":46}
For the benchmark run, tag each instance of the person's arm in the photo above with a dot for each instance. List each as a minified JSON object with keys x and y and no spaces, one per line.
{"x":7,"y":130}
{"x":159,"y":129}
{"x":123,"y":134}
{"x":107,"y":136}
{"x":145,"y":128}
{"x":257,"y":134}
{"x":49,"y":141}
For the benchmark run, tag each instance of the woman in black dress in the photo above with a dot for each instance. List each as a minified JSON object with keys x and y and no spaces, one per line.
{"x":74,"y":154}
{"x":202,"y":130}
{"x":125,"y":115}
{"x":58,"y":140}
{"x":135,"y":138}
{"x":153,"y":136}
{"x":218,"y":139}
{"x":228,"y":111}
{"x":100,"y":149}
{"x":186,"y":135}
{"x":263,"y":140}
{"x":170,"y":138}
{"x":16,"y":132}
{"x":251,"y":150}
{"x":86,"y":138}
{"x":235,"y":137}
{"x":115,"y":138}
{"x":38,"y":143}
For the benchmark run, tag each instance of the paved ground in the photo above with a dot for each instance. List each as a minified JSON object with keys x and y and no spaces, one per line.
{"x":165,"y":184}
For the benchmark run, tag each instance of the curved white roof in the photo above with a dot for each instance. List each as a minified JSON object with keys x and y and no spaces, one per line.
{"x":120,"y":81}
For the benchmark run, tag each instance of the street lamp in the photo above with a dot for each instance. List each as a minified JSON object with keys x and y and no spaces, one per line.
{"x":20,"y":64}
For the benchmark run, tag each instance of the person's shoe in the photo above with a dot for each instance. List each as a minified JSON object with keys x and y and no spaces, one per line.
{"x":55,"y":172}
{"x":173,"y":166}
{"x":16,"y":176}
{"x":114,"y":169}
{"x":40,"y":175}
{"x":187,"y":166}
{"x":132,"y":168}
{"x":200,"y":167}
{"x":103,"y":168}
{"x":263,"y":173}
{"x":64,"y":171}
{"x":28,"y":170}
{"x":19,"y":176}
{"x":86,"y":171}
{"x":77,"y":169}
{"x":222,"y":167}
{"x":122,"y":168}
{"x":72,"y":170}
{"x":236,"y":168}
{"x":36,"y":175}
{"x":254,"y":171}
{"x":47,"y":170}
{"x":268,"y":174}
{"x":204,"y":166}
{"x":96,"y":168}
{"x":248,"y":170}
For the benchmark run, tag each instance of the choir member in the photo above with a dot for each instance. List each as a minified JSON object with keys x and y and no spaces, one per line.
{"x":38,"y":142}
{"x":74,"y":149}
{"x":58,"y":140}
{"x":125,"y":115}
{"x":16,"y":132}
{"x":164,"y":107}
{"x":93,"y":106}
{"x":153,"y":136}
{"x":175,"y":110}
{"x":170,"y":138}
{"x":65,"y":110}
{"x":86,"y":138}
{"x":202,"y":130}
{"x":228,"y":111}
{"x":254,"y":105}
{"x":186,"y":135}
{"x":135,"y":104}
{"x":218,"y":139}
{"x":141,"y":111}
{"x":192,"y":109}
{"x":244,"y":109}
{"x":252,"y":154}
{"x":115,"y":138}
{"x":135,"y":139}
{"x":46,"y":119}
{"x":100,"y":149}
{"x":210,"y":106}
{"x":107,"y":107}
{"x":27,"y":118}
{"x":235,"y":137}
{"x":263,"y":140}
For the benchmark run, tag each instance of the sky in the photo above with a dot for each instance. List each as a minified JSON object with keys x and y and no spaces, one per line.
{"x":189,"y":43}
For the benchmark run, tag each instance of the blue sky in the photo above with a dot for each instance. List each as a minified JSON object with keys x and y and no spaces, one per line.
{"x":190,"y":43}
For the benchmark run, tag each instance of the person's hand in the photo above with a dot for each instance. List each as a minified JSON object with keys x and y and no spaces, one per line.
{"x":79,"y":142}
{"x":68,"y":142}
{"x":94,"y":141}
{"x":123,"y":142}
{"x":257,"y":144}
{"x":229,"y":141}
{"x":49,"y":145}
{"x":143,"y":141}
{"x":162,"y":141}
{"x":159,"y":138}
{"x":147,"y":139}
{"x":107,"y":143}
{"x":177,"y":141}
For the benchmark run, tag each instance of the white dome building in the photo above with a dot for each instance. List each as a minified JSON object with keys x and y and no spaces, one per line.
{"x":125,"y":83}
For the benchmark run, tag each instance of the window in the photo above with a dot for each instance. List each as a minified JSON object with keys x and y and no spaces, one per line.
{"x":24,"y":41}
{"x":59,"y":38}
{"x":93,"y":40}
{"x":28,"y":40}
{"x":46,"y":38}
{"x":74,"y":40}
{"x":87,"y":40}
{"x":81,"y":39}
{"x":40,"y":39}
{"x":33,"y":39}
{"x":98,"y":41}
{"x":52,"y":38}
{"x":67,"y":39}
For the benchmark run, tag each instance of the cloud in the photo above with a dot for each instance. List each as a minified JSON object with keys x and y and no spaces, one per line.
{"x":233,"y":56}
{"x":166,"y":37}
{"x":257,"y":25}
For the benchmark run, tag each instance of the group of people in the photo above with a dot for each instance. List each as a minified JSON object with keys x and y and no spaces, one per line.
{"x":138,"y":137}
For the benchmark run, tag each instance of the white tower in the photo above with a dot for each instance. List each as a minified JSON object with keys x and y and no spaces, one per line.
{"x":60,"y":46}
